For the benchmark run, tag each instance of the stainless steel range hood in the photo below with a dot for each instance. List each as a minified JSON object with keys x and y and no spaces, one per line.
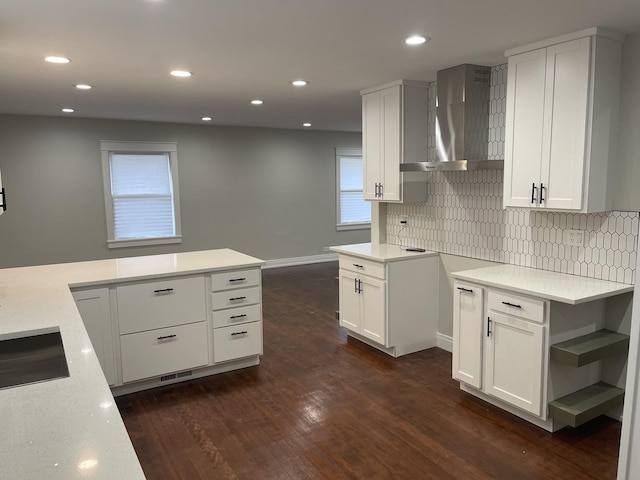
{"x":462,"y":121}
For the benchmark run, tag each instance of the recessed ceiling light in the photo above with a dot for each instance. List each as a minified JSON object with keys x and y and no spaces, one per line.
{"x":416,"y":40}
{"x":68,"y":110}
{"x":206,"y":119}
{"x":299,"y":83}
{"x":181,"y":73}
{"x":306,"y":124}
{"x":83,"y":86}
{"x":257,"y":102}
{"x":56,"y":59}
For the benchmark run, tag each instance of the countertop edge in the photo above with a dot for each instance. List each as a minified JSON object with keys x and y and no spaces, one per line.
{"x":541,"y":294}
{"x":154,"y":276}
{"x":345,"y":250}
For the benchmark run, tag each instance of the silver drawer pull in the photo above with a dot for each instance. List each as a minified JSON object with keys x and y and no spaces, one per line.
{"x":511,"y":305}
{"x":244,"y":332}
{"x":238,"y":316}
{"x":468,"y":290}
{"x":357,"y":265}
{"x":237,"y":279}
{"x":166,"y":337}
{"x":237,"y":298}
{"x":163,"y":291}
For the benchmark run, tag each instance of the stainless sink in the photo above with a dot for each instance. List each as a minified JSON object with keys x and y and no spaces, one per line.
{"x":31,"y":359}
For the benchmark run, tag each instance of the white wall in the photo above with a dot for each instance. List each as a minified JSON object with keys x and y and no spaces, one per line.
{"x":628,"y":178}
{"x":265,"y":192}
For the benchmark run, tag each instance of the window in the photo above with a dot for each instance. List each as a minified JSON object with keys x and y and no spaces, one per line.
{"x":141,"y":193}
{"x":353,"y":211}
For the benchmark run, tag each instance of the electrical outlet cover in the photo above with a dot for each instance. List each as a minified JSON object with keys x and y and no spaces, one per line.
{"x":573,"y":238}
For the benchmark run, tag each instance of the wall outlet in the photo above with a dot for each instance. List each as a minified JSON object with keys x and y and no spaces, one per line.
{"x":573,"y":238}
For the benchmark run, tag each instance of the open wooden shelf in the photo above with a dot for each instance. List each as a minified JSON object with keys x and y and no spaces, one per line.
{"x":586,"y":404}
{"x":590,"y":348}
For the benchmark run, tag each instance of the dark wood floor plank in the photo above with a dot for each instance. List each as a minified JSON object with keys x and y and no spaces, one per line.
{"x":322,"y":405}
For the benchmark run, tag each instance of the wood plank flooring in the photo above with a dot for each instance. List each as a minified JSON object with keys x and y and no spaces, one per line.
{"x":324,"y":406}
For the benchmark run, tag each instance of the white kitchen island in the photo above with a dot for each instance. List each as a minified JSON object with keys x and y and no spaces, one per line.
{"x":70,"y":427}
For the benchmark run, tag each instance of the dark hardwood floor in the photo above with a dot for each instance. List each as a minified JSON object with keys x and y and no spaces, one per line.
{"x":322,"y":406}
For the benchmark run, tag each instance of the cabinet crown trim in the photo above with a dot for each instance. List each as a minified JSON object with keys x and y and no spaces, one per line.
{"x":589,"y":32}
{"x":395,"y":83}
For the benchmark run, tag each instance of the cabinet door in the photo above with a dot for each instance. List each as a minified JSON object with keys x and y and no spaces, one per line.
{"x":349,"y":302}
{"x":468,"y":331}
{"x":164,"y":303}
{"x":93,"y":306}
{"x":565,"y":124}
{"x":391,"y":101}
{"x":371,"y":152}
{"x":163,"y":351}
{"x":239,"y":341}
{"x":374,"y":309}
{"x":514,"y":361}
{"x":524,"y":127}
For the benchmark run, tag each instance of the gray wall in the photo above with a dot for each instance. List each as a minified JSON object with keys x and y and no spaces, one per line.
{"x":628,"y":179}
{"x":266,"y":192}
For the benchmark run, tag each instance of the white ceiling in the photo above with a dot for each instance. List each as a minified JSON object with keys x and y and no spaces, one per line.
{"x":244,"y":49}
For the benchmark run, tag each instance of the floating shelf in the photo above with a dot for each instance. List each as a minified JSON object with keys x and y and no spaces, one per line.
{"x":590,"y":348}
{"x":586,"y":404}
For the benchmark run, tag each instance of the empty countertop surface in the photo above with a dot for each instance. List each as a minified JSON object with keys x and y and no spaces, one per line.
{"x":560,"y":287}
{"x":385,"y":252}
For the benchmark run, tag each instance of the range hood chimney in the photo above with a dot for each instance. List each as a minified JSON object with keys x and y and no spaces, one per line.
{"x":462,"y":121}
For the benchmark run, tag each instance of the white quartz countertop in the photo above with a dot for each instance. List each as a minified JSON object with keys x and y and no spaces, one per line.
{"x":382,"y":252}
{"x":71,"y":428}
{"x":560,"y":287}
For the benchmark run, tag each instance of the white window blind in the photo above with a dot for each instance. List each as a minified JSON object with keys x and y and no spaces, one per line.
{"x":142,"y":196}
{"x":353,"y":210}
{"x":141,"y":193}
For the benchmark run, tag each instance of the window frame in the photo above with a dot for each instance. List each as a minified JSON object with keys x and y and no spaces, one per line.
{"x":107,"y":147}
{"x":347,"y":152}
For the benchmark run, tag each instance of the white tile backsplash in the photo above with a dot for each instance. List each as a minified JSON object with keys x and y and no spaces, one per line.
{"x":463,"y":215}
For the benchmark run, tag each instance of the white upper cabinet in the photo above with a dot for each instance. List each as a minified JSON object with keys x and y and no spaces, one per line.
{"x":562,"y":108}
{"x":394,"y":131}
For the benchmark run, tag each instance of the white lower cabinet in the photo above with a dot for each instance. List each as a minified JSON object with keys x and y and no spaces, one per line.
{"x":500,"y":349}
{"x":95,"y":311}
{"x":467,"y":333}
{"x":514,"y":361}
{"x":166,"y":350}
{"x":551,"y":363}
{"x":149,"y":332}
{"x":236,"y":300}
{"x":237,"y":341}
{"x":362,"y":305}
{"x":390,"y":304}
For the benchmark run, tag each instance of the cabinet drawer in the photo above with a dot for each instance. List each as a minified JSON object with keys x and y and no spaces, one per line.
{"x":167,"y":350}
{"x":517,"y":305}
{"x":235,"y":316}
{"x":235,"y":298}
{"x":362,"y":266}
{"x":152,"y":305}
{"x":237,"y":341}
{"x":235,"y":279}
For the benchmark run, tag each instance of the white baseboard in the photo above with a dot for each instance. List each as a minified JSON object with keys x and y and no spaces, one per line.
{"x":445,"y":342}
{"x":290,"y":262}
